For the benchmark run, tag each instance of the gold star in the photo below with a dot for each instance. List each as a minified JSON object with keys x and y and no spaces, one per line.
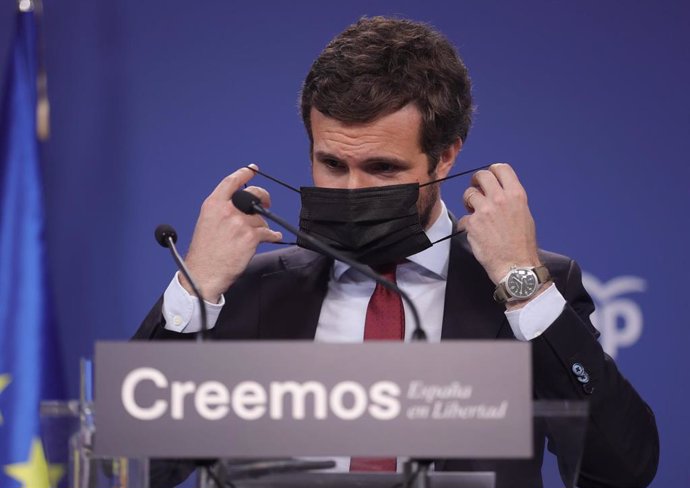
{"x":5,"y":380}
{"x":36,"y":472}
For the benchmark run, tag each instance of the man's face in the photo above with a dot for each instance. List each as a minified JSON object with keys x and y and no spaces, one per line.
{"x":379,"y":153}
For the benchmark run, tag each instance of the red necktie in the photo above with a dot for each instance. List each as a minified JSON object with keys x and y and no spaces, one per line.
{"x":385,"y":321}
{"x":385,"y":314}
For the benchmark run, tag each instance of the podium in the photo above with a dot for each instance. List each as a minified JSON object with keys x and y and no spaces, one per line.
{"x":240,"y":402}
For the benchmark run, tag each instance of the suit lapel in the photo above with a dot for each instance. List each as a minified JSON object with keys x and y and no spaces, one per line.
{"x":470,"y":311}
{"x":291,"y":298}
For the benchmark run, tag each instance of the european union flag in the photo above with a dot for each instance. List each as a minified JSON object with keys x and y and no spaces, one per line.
{"x":29,"y":363}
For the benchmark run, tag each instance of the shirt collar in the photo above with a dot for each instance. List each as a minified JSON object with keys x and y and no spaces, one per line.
{"x":434,"y":258}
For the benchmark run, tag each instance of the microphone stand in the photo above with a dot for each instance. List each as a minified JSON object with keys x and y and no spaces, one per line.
{"x":202,"y":304}
{"x":166,"y":237}
{"x":416,"y":473}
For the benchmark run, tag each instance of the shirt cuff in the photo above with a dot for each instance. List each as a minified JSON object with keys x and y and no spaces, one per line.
{"x":536,"y":316}
{"x":182,"y":312}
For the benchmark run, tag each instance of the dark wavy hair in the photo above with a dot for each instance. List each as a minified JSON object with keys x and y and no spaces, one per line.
{"x":377,"y":66}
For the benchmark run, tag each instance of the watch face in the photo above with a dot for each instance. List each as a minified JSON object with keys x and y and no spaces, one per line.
{"x":522,"y":283}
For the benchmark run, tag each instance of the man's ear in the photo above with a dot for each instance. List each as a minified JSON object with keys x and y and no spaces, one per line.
{"x":447,"y":159}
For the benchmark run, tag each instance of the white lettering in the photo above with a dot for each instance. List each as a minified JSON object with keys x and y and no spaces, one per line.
{"x":358,"y":394}
{"x":249,"y":400}
{"x":298,"y":393}
{"x":130,"y":384}
{"x":178,"y":391}
{"x":418,"y":390}
{"x":211,"y":400}
{"x":384,"y":395}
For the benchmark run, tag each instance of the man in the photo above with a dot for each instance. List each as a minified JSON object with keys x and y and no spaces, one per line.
{"x":388,"y":103}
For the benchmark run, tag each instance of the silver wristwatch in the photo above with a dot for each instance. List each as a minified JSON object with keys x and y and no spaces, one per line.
{"x":520,"y":283}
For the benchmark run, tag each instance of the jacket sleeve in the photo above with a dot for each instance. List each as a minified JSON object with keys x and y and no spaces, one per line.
{"x":621,"y":445}
{"x":153,"y":327}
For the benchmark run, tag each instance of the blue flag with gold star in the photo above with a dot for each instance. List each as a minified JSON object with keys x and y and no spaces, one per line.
{"x":29,"y":360}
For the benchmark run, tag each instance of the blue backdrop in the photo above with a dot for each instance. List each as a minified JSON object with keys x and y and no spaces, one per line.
{"x":154,"y":102}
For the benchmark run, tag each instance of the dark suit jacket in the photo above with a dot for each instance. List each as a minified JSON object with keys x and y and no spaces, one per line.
{"x":622,"y":444}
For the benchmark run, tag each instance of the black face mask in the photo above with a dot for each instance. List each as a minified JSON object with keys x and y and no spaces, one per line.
{"x":373,"y":225}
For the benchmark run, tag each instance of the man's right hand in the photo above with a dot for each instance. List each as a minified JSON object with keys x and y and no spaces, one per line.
{"x":225,"y":239}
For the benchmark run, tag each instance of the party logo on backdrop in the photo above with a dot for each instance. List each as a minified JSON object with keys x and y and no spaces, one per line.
{"x":617,"y":316}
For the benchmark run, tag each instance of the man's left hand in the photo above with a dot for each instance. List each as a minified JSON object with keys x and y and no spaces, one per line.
{"x":500,"y":228}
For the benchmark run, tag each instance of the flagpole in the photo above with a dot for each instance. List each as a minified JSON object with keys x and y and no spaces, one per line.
{"x":42,"y":100}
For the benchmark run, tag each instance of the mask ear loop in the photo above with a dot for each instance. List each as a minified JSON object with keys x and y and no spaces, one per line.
{"x":448,"y":178}
{"x":272,"y":179}
{"x":290,"y":187}
{"x":448,"y":236}
{"x":463,"y":173}
{"x":282,"y":183}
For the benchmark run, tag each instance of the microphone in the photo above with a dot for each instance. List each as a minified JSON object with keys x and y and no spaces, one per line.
{"x":167,"y":237}
{"x":247,"y":202}
{"x":163,"y":233}
{"x":250,"y":204}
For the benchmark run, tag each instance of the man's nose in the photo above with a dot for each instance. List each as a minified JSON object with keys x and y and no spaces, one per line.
{"x":357,"y":179}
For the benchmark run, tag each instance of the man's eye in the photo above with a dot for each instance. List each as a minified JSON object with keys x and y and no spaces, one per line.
{"x":384,"y":168}
{"x":332,"y":165}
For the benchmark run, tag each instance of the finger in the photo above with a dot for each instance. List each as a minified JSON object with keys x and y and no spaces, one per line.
{"x":506,"y":176}
{"x":261,"y":194}
{"x":268,"y":235}
{"x":462,"y":223}
{"x":231,"y":183}
{"x":487,"y":181}
{"x":471,"y":198}
{"x":256,"y":221}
